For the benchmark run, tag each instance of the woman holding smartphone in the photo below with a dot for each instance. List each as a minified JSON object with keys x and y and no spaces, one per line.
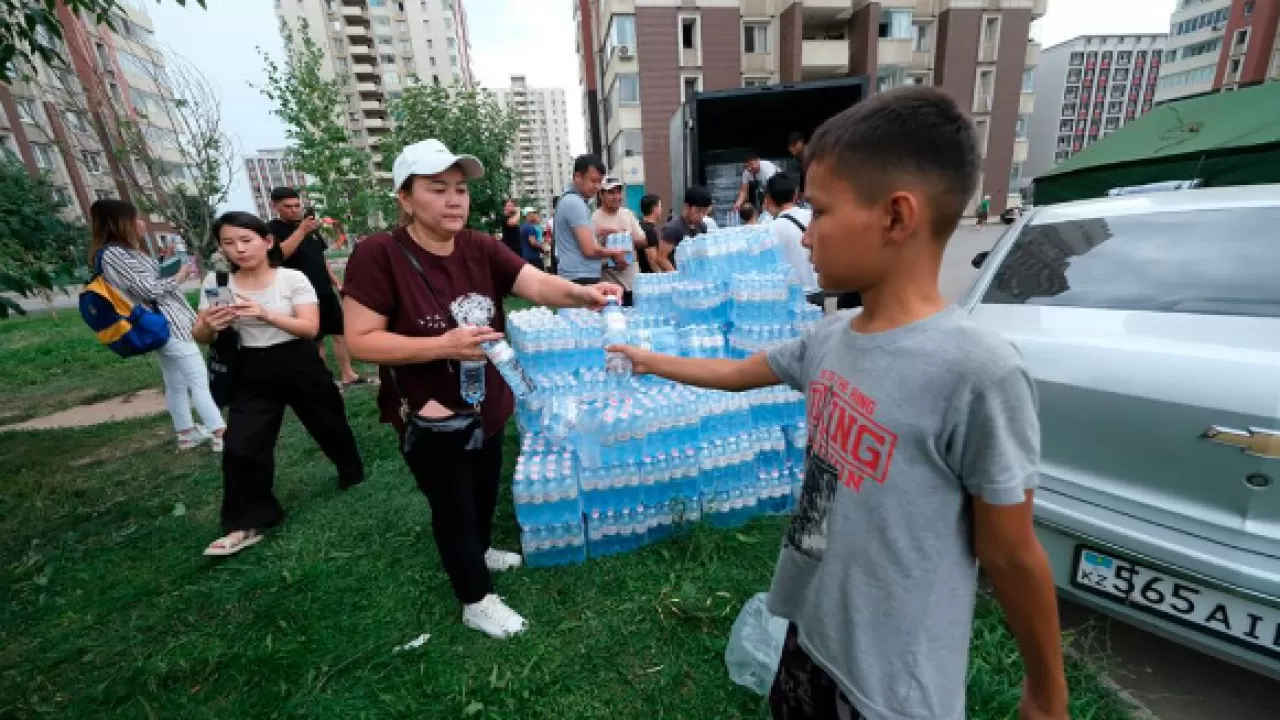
{"x":276,"y":313}
{"x":401,"y":289}
{"x":116,"y":250}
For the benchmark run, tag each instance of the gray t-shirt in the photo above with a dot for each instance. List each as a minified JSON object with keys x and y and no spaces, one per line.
{"x":572,"y":212}
{"x":878,"y":570}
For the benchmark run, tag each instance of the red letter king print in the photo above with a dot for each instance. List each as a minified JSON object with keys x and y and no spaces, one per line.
{"x":846,"y":435}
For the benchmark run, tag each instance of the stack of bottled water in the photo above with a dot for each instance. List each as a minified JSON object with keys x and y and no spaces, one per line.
{"x":611,"y":461}
{"x":621,"y":241}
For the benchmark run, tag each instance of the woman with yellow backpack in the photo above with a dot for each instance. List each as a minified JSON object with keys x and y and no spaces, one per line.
{"x":116,"y":254}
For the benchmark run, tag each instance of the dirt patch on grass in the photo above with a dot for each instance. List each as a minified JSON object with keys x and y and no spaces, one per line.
{"x":143,"y":403}
{"x":111,"y":453}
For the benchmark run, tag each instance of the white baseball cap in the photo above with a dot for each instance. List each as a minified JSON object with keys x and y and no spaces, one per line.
{"x":610,"y":183}
{"x":431,"y":157}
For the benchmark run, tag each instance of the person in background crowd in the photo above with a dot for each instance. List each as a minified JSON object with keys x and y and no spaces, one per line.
{"x":942,"y":480}
{"x":708,"y":215}
{"x":299,"y":246}
{"x":689,"y":223}
{"x":400,"y":290}
{"x":651,"y":212}
{"x":748,"y":214}
{"x":532,"y":245}
{"x":984,"y":208}
{"x":754,"y":176}
{"x":579,"y":256}
{"x":789,"y":225}
{"x":276,"y":311}
{"x":795,"y":146}
{"x":511,"y":223}
{"x":611,"y":217}
{"x":115,"y":249}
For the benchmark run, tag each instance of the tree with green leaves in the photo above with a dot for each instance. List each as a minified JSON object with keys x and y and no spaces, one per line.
{"x":40,"y":251}
{"x":466,"y":121}
{"x":30,"y":29}
{"x":312,"y":107}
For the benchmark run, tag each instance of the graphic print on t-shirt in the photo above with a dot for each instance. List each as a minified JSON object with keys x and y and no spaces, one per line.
{"x":847,"y":446}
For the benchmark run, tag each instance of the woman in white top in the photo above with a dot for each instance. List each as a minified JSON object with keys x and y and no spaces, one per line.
{"x":116,"y":251}
{"x":277,"y":315}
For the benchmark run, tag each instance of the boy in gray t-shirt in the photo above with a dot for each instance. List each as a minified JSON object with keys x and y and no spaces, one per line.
{"x":923,"y":440}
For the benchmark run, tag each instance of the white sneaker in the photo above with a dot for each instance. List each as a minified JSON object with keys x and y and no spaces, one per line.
{"x":492,"y":617}
{"x":192,"y":439}
{"x":501,"y":560}
{"x":216,"y":443}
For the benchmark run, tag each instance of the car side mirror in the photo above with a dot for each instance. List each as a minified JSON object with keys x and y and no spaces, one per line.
{"x":981,"y":258}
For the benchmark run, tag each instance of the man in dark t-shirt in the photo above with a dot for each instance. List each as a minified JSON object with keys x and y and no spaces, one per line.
{"x":688,"y":223}
{"x":300,"y":246}
{"x":650,"y":216}
{"x":511,"y":226}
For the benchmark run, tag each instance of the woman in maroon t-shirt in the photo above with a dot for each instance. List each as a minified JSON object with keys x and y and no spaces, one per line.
{"x":396,"y":318}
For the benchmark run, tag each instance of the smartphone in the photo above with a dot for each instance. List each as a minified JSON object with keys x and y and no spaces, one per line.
{"x":219,"y":296}
{"x":310,"y":213}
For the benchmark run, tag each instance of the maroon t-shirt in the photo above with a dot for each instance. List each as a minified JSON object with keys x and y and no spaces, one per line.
{"x":381,"y":278}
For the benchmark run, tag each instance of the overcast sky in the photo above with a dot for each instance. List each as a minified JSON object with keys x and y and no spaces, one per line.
{"x":532,"y":37}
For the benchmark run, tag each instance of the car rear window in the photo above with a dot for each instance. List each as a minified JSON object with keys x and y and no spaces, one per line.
{"x":1217,"y":262}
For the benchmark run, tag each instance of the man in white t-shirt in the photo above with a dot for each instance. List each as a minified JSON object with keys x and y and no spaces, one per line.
{"x":789,"y":225}
{"x":611,"y":217}
{"x":754,"y":178}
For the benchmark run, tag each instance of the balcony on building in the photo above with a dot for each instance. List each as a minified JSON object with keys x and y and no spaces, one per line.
{"x":360,"y":50}
{"x":364,"y":72}
{"x":369,"y":88}
{"x":1033,"y":54}
{"x":823,"y":58}
{"x":357,"y":32}
{"x":895,"y":52}
{"x":1026,"y":103}
{"x":1020,"y":147}
{"x":354,"y":15}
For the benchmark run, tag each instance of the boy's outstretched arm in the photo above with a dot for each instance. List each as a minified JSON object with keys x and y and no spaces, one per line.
{"x":1015,"y":563}
{"x":731,"y":375}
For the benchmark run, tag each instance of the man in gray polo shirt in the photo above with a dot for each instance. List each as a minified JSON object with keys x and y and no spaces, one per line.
{"x":578,"y":251}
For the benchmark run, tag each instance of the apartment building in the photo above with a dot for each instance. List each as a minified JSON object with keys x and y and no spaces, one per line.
{"x":540,"y":160}
{"x":1219,"y":45}
{"x":588,"y":75}
{"x":1086,"y":88}
{"x":651,"y":55}
{"x":64,"y":121}
{"x":267,"y":170}
{"x":380,"y":47}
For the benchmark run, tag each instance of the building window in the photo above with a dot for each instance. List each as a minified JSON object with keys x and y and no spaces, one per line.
{"x":391,"y":76}
{"x":1248,"y":9}
{"x":991,"y":30}
{"x":921,"y":34}
{"x":1115,"y":106}
{"x":755,"y":38}
{"x":622,"y":33}
{"x":27,"y":111}
{"x":342,"y":64}
{"x":1240,"y":40}
{"x":385,"y":40}
{"x":1124,"y":57}
{"x":387,"y":59}
{"x":628,"y":85}
{"x":1066,"y":126}
{"x":1015,"y":175}
{"x":1121,"y":75}
{"x":896,"y":24}
{"x":689,"y":33}
{"x":381,"y":21}
{"x":1111,"y":123}
{"x":1068,"y":109}
{"x":339,"y":45}
{"x":1028,"y":81}
{"x":1077,"y":59}
{"x":92,"y":161}
{"x":756,"y":81}
{"x":406,"y":47}
{"x":1073,"y":75}
{"x":1020,"y":128}
{"x":102,"y":194}
{"x":402,"y":26}
{"x":76,"y":121}
{"x":692,"y":85}
{"x":43,"y":154}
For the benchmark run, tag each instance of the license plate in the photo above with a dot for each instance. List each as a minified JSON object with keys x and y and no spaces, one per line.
{"x":1213,"y":612}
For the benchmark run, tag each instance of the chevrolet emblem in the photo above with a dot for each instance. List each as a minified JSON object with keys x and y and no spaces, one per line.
{"x":1258,"y":442}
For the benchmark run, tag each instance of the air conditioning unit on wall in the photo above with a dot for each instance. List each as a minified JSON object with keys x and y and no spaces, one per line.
{"x":624,"y":51}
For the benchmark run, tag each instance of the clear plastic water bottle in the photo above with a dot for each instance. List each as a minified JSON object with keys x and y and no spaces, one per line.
{"x":471,"y":381}
{"x":615,"y":333}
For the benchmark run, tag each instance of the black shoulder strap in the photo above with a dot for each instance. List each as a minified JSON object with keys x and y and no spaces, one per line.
{"x":794,"y":221}
{"x":221,"y":277}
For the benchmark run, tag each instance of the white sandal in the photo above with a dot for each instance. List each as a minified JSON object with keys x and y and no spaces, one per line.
{"x":228,"y":545}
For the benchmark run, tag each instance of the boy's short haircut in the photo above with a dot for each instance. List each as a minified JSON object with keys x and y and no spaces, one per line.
{"x":648,"y":203}
{"x":794,"y":138}
{"x":697,"y":196}
{"x":748,"y":212}
{"x":909,"y":133}
{"x":781,"y":188}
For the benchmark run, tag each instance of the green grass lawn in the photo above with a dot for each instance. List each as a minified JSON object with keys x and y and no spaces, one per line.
{"x":111,"y":611}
